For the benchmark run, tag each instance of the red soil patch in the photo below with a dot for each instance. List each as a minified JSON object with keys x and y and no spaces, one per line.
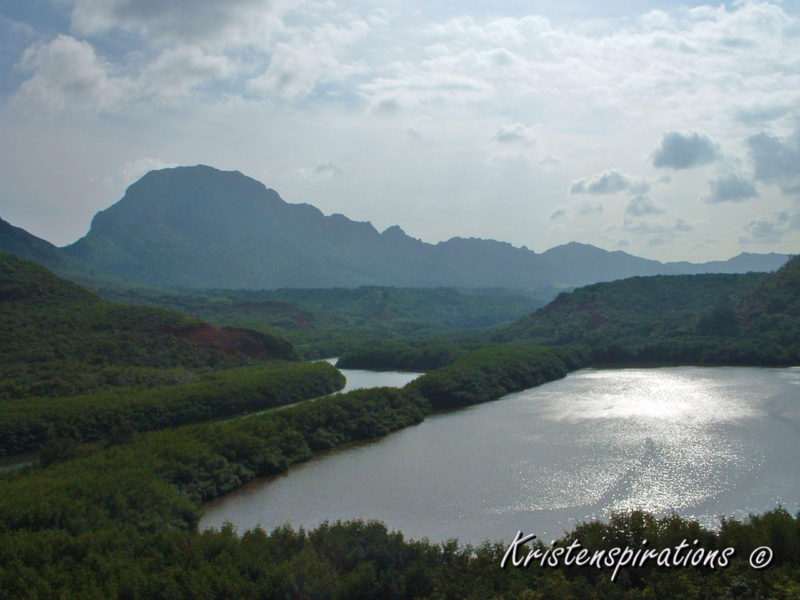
{"x":229,"y":340}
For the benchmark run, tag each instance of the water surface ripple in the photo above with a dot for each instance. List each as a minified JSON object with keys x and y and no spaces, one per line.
{"x":700,"y":441}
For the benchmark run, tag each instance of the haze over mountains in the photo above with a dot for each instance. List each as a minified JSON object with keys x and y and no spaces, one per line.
{"x":198,"y":227}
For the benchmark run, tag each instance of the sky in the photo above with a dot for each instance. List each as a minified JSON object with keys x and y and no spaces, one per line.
{"x":669,"y":130}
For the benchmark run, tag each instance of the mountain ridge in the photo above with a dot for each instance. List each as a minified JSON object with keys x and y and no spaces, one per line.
{"x":199,"y":227}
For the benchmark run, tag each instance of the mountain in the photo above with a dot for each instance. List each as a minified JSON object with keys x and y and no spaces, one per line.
{"x":58,"y":338}
{"x":198,"y":227}
{"x":19,"y":242}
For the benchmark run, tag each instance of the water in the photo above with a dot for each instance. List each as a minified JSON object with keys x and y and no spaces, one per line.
{"x":17,"y":461}
{"x":358,"y":379}
{"x":703,"y":442}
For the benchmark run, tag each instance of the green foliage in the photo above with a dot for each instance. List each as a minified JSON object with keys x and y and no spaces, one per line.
{"x":401,"y":357}
{"x":30,"y":424}
{"x":58,"y":339}
{"x":630,"y":310}
{"x":750,"y":319}
{"x":328,"y":322}
{"x":493,"y":371}
{"x":147,"y":483}
{"x":120,"y":522}
{"x":771,"y":310}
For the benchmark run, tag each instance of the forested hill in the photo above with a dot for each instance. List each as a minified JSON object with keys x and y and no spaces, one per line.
{"x":19,"y":242}
{"x":736,"y":319}
{"x":198,"y":227}
{"x":57,"y":338}
{"x":773,"y":306}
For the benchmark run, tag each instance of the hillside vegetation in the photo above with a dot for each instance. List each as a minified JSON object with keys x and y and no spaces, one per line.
{"x":328,"y":322}
{"x":117,"y":517}
{"x":715,"y":319}
{"x":121,"y":522}
{"x":56,"y":338}
{"x":56,"y":424}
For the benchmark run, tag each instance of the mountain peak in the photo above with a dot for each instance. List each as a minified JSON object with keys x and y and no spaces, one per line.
{"x":200,"y":227}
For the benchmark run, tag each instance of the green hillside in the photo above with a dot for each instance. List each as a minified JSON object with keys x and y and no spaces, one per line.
{"x":773,"y":306}
{"x":19,"y":242}
{"x":56,"y":338}
{"x":752,"y":318}
{"x":328,"y":322}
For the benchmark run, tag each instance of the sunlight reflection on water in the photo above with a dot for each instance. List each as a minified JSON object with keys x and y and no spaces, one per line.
{"x":700,"y":441}
{"x":649,"y":394}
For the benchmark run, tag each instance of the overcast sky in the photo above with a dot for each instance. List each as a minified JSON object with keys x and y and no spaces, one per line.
{"x":667,"y":129}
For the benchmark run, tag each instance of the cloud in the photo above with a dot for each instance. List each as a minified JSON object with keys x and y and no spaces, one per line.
{"x":557,"y":214}
{"x":730,"y":188}
{"x":661,"y":230}
{"x":767,"y":230}
{"x":420,"y":129}
{"x":643,"y":206}
{"x":195,"y":21}
{"x":133,"y":170}
{"x":67,"y":72}
{"x":642,"y":227}
{"x":679,"y":150}
{"x":386,"y":107}
{"x":515,"y":134}
{"x":777,"y":160}
{"x":515,"y":144}
{"x":608,"y":182}
{"x":587,"y":209}
{"x":275,"y":86}
{"x":760,"y":113}
{"x":550,"y":163}
{"x":298,"y":66}
{"x":176,"y":73}
{"x":321,"y":172}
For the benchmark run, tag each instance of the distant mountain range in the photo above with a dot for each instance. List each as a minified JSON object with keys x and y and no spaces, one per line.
{"x":198,"y":227}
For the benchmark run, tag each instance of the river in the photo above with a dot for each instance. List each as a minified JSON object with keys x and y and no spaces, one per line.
{"x":703,"y":442}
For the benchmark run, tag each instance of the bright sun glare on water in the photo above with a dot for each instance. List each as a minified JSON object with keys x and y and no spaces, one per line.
{"x":704,"y":442}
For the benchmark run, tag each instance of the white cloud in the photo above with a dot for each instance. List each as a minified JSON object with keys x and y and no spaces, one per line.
{"x":662,"y":230}
{"x":187,"y":21}
{"x":446,"y":126}
{"x":550,"y":163}
{"x":133,"y":170}
{"x":298,"y":66}
{"x":67,"y":73}
{"x":771,"y":229}
{"x":321,"y":172}
{"x":642,"y":227}
{"x":609,"y":182}
{"x":679,"y":150}
{"x":777,"y":160}
{"x":761,"y":113}
{"x":588,"y":209}
{"x":176,"y":73}
{"x":643,"y":206}
{"x":730,"y":188}
{"x":516,"y":133}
